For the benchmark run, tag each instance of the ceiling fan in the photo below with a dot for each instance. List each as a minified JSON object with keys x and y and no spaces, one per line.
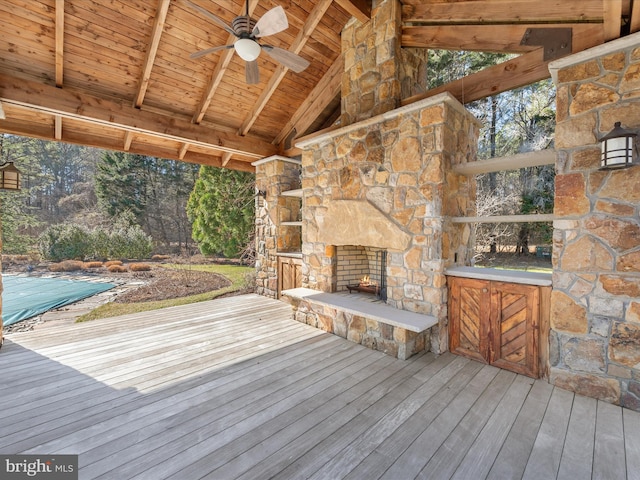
{"x":248,"y":31}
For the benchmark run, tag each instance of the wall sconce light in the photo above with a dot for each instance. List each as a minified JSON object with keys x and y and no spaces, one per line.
{"x":9,"y":177}
{"x":617,"y":148}
{"x":261,"y":193}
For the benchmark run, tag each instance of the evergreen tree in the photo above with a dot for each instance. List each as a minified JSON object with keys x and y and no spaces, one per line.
{"x":120,"y":184}
{"x":221,"y":208}
{"x":155,"y":190}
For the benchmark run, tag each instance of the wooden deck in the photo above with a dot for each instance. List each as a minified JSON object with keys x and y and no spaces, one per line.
{"x":236,"y":389}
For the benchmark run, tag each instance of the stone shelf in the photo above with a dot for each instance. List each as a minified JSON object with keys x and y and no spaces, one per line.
{"x":291,"y":224}
{"x":289,"y":254}
{"x":292,"y":193}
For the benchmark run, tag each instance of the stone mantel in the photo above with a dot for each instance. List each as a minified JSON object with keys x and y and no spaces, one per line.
{"x":326,"y":135}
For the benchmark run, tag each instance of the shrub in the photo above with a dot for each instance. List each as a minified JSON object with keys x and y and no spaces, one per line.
{"x":93,"y":264}
{"x":139,"y":267}
{"x":65,"y":241}
{"x":67,"y":266}
{"x":117,"y":268}
{"x":159,"y":258}
{"x":69,"y":241}
{"x":112,"y":262}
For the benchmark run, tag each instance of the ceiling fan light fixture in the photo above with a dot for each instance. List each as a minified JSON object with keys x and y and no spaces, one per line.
{"x":247,"y":49}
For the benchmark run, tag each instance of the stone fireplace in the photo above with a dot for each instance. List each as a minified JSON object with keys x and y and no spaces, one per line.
{"x":386,"y":184}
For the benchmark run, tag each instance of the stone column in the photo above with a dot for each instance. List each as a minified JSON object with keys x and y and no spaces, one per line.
{"x":595,"y":304}
{"x":275,"y":175}
{"x":378,"y":73}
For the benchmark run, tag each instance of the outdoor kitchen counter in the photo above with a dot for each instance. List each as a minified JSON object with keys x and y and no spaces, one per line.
{"x":495,"y":274}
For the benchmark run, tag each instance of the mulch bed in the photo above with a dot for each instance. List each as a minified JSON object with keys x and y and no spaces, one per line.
{"x":164,"y":284}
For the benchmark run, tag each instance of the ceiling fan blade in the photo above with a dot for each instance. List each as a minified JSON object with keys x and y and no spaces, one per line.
{"x":252,"y":74}
{"x":207,"y":51}
{"x":274,"y":21}
{"x":211,"y":16}
{"x":285,"y":57}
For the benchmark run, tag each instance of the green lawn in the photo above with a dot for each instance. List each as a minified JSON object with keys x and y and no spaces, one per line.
{"x":237,"y":275}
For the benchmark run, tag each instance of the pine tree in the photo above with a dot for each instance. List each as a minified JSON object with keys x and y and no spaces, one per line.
{"x":221,"y":208}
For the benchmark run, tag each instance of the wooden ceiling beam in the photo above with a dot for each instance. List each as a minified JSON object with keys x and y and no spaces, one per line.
{"x":322,"y":94}
{"x":501,"y":11}
{"x":520,"y":71}
{"x":59,"y":42}
{"x":47,"y":133}
{"x":75,"y":104}
{"x":480,"y":38}
{"x":156,"y":33}
{"x":361,"y":9}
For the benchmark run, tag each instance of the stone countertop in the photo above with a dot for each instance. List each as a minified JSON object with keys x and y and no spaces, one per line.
{"x":512,"y":276}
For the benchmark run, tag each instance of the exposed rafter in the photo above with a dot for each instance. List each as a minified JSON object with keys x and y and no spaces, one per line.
{"x":158,"y":25}
{"x":59,"y":42}
{"x":361,"y":9}
{"x":323,"y":93}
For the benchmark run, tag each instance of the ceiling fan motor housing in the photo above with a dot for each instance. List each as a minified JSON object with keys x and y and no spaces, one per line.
{"x":243,"y":26}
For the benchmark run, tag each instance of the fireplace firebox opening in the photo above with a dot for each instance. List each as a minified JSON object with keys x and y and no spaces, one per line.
{"x":362,"y":269}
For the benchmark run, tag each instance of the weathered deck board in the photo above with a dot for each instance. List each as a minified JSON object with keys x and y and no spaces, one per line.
{"x":609,"y":453}
{"x":577,"y":456}
{"x":545,"y":457}
{"x":236,"y":389}
{"x":632,"y":443}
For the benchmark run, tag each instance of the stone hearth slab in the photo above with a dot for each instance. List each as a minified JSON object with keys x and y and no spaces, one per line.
{"x":411,"y":321}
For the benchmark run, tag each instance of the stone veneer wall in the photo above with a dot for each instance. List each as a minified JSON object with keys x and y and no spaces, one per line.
{"x":387,"y":183}
{"x":275,"y":175}
{"x":595,"y":304}
{"x":372,"y":55}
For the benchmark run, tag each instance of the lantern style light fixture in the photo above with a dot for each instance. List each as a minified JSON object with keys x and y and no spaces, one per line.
{"x":618,"y":148}
{"x":9,"y":177}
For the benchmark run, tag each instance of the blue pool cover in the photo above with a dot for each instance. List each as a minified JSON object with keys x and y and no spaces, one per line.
{"x":25,"y":297}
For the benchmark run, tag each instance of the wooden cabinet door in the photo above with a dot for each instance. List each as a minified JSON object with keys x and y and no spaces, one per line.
{"x":289,"y":273}
{"x":514,"y":327}
{"x":469,"y":301}
{"x":495,"y":323}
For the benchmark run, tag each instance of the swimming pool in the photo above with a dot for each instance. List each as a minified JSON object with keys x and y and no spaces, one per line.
{"x":25,"y":296}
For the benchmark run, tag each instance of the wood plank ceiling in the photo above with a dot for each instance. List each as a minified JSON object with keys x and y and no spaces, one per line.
{"x":117,"y":74}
